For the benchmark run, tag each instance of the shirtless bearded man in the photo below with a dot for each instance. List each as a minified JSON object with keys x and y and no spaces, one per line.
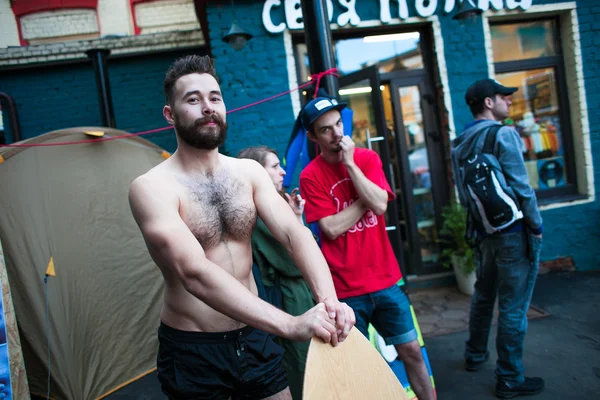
{"x":196,"y":212}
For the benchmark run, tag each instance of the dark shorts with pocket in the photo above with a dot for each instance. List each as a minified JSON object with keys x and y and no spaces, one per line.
{"x":240,"y":364}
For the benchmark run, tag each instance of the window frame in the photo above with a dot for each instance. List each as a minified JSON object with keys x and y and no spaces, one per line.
{"x":555,"y":62}
{"x":357,"y":33}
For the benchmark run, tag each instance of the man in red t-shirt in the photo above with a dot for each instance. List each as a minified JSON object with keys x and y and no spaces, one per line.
{"x":347,"y":193}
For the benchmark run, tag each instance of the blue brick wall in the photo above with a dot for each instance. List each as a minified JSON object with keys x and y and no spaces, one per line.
{"x":56,"y":97}
{"x":464,"y":50}
{"x":575,"y":231}
{"x":48,"y":99}
{"x":254,"y":73}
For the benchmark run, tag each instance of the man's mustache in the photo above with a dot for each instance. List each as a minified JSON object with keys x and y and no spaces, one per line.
{"x":209,"y":118}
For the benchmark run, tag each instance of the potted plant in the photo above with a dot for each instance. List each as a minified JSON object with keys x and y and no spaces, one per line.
{"x":457,"y":252}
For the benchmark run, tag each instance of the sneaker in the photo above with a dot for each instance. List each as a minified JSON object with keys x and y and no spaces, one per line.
{"x":473,"y":366}
{"x":528,"y":387}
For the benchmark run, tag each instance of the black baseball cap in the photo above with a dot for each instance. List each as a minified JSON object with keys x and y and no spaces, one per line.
{"x":317,"y":107}
{"x":483,"y":88}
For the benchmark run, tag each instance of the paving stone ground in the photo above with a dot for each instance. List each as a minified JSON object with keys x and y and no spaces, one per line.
{"x":445,"y":310}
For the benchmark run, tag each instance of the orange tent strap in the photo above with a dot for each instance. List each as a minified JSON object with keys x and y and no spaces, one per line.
{"x":121,"y":386}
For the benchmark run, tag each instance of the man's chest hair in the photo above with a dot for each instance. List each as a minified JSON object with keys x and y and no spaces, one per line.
{"x":219,"y":207}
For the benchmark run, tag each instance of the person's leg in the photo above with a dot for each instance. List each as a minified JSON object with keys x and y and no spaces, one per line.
{"x":285,"y":394}
{"x":517,"y":274}
{"x":393,"y":320}
{"x":482,"y":306}
{"x":363,"y":311}
{"x":260,"y":366}
{"x":416,"y":370}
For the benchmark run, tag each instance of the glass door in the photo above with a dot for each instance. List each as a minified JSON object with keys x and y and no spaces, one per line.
{"x":421,"y":185}
{"x":362,"y":91}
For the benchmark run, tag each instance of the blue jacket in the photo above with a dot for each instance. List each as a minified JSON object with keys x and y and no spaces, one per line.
{"x":509,"y":152}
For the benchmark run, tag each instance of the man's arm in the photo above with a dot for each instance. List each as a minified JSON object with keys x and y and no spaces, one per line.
{"x":336,"y":225}
{"x":173,"y":246}
{"x":374,"y":197}
{"x":300,"y":244}
{"x":510,"y":157}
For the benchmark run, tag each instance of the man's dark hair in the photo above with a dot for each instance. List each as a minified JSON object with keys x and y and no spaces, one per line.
{"x":192,"y":64}
{"x":477,"y":107}
{"x":257,"y":153}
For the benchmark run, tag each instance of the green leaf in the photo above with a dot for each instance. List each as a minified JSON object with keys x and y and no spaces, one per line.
{"x":452,"y":237}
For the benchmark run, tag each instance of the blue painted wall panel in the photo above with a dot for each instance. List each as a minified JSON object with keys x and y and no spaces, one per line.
{"x":254,"y":73}
{"x":63,"y":96}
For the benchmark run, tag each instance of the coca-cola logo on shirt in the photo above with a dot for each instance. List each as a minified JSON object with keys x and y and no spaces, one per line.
{"x":344,"y":195}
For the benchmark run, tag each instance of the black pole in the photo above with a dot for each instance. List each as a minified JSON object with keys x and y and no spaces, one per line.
{"x":319,"y":44}
{"x":99,"y":59}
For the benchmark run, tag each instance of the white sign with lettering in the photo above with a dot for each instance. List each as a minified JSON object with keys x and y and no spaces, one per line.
{"x":424,"y":8}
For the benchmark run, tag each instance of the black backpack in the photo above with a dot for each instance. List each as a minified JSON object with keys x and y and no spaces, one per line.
{"x":491,"y":205}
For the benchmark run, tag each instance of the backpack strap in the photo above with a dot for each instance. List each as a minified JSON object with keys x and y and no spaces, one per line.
{"x":490,"y":139}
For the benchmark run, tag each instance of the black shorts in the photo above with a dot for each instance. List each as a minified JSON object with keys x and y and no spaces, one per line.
{"x":240,"y":364}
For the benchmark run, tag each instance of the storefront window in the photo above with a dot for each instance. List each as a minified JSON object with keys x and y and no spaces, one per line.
{"x":527,"y":56}
{"x":390,"y":52}
{"x":534,"y":114}
{"x":521,"y":41}
{"x":393,"y":52}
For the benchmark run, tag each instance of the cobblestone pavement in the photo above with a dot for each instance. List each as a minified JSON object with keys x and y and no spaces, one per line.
{"x":563,"y":348}
{"x":445,"y":310}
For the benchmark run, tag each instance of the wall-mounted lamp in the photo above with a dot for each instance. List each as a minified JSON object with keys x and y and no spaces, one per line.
{"x":236,"y":37}
{"x":467,"y":10}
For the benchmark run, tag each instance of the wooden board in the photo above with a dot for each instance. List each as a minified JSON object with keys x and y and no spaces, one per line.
{"x":354,"y":370}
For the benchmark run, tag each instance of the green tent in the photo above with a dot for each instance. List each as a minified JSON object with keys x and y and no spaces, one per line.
{"x":69,"y":202}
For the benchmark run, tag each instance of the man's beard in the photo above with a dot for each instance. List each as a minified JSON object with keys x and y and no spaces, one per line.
{"x":201,"y":136}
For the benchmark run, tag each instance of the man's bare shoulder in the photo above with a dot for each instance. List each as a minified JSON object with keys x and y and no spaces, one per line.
{"x":241,"y":162}
{"x":158,"y":184}
{"x":245,"y":167}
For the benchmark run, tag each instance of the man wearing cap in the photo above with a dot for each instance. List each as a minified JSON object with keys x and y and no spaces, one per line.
{"x":507,"y":261}
{"x":347,"y":193}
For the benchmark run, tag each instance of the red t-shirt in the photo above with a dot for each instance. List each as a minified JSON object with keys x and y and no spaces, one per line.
{"x":362,"y":259}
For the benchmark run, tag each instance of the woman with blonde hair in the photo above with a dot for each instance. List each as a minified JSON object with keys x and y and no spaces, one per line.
{"x":275,"y":269}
